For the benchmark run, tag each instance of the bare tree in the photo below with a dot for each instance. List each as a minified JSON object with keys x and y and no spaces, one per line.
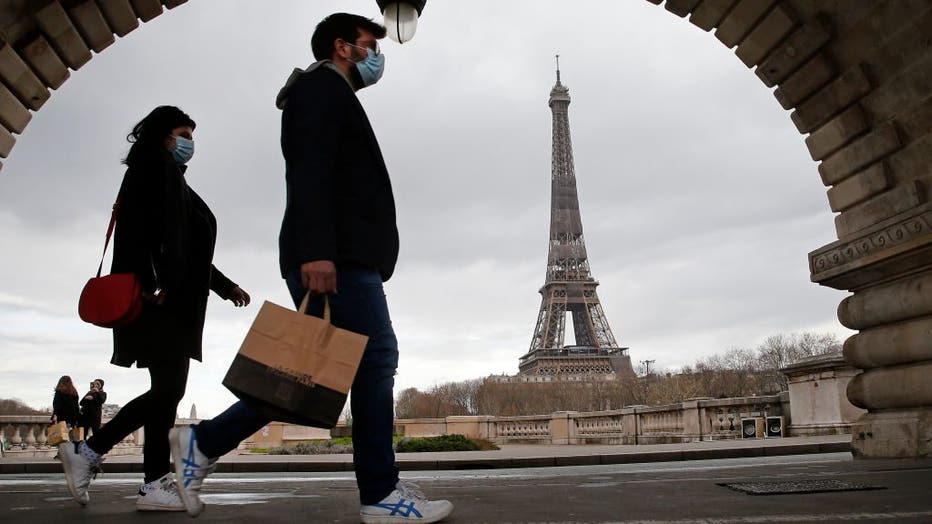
{"x":405,"y":403}
{"x":737,"y":372}
{"x":15,"y":406}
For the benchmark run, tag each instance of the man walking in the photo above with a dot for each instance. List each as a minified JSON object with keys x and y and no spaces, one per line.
{"x":338,"y":240}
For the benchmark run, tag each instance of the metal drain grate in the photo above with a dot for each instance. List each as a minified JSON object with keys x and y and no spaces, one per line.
{"x":795,"y":487}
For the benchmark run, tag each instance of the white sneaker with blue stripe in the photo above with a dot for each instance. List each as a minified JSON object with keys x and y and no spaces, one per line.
{"x":405,"y":504}
{"x":191,"y":467}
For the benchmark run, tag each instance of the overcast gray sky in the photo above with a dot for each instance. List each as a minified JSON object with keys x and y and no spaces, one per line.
{"x":699,"y":200}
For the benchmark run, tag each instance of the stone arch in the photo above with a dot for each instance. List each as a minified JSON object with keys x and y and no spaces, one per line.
{"x":858,"y":79}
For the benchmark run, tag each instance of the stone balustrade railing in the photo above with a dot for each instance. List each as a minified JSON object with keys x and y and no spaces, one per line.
{"x":689,"y":421}
{"x":24,"y":436}
{"x":692,"y":420}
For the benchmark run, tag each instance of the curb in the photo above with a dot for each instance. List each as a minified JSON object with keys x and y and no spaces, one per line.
{"x":21,"y":468}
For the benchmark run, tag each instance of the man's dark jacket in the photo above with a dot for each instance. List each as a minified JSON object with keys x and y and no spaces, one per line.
{"x":92,"y":409}
{"x":165,"y":234}
{"x":339,"y":203}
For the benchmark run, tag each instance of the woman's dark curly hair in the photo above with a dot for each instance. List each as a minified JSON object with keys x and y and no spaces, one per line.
{"x":148,"y":136}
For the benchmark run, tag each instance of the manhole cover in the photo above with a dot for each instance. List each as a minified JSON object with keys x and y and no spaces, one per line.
{"x":796,"y":487}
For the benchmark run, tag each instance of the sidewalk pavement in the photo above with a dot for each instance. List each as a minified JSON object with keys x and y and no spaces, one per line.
{"x":509,"y":456}
{"x":786,"y":489}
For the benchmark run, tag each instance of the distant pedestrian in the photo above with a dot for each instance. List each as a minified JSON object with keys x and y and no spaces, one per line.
{"x":92,"y":408}
{"x":165,"y":235}
{"x":65,"y":403}
{"x":339,"y":233}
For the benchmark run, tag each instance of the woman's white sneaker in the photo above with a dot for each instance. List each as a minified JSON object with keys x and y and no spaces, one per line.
{"x":79,"y":469}
{"x":405,"y":504}
{"x":159,"y":495}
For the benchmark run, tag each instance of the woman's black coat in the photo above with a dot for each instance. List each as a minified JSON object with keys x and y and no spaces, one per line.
{"x":92,"y":409}
{"x":165,"y":234}
{"x":65,"y":408}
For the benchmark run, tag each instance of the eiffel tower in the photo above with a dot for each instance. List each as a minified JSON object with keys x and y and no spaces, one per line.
{"x":569,"y":286}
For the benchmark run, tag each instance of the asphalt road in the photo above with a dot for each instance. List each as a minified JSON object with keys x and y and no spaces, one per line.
{"x":670,"y":492}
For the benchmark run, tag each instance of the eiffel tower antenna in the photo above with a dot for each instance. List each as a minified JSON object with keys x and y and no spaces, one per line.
{"x":569,"y":286}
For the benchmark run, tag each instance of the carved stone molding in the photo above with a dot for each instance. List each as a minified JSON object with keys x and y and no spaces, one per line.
{"x":888,"y":250}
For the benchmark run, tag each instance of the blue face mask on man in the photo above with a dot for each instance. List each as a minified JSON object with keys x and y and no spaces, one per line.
{"x":184,"y":150}
{"x":370,"y":68}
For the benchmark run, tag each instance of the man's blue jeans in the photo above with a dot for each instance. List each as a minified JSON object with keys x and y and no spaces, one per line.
{"x":359,"y":306}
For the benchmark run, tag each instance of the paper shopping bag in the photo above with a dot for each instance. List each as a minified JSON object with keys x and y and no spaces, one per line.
{"x":296,"y":368}
{"x":56,"y":434}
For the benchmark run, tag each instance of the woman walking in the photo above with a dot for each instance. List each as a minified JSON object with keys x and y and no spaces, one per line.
{"x":165,"y":234}
{"x":65,"y":403}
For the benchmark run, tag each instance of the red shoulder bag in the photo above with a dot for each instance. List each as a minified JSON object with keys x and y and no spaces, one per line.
{"x":112,"y":300}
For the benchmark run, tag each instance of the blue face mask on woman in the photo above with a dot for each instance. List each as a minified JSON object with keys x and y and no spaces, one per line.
{"x":371,"y":68}
{"x":184,"y":150}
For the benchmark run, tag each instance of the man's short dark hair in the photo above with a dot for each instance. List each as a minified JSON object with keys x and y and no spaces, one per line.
{"x":344,"y":26}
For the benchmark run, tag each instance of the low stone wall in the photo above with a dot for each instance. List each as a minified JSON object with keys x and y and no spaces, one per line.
{"x":689,"y":421}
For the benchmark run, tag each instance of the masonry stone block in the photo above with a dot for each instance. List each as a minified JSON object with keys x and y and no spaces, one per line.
{"x":898,"y":387}
{"x":912,"y":163}
{"x":13,"y":114}
{"x":917,"y":122}
{"x":893,"y":434}
{"x":119,"y":16}
{"x":864,"y":151}
{"x":91,"y":25}
{"x":20,"y":79}
{"x":680,"y":8}
{"x":900,"y":95}
{"x":171,"y":4}
{"x":765,"y":36}
{"x":805,"y":81}
{"x":859,"y":187}
{"x":739,"y":22}
{"x":897,"y":301}
{"x":7,"y":141}
{"x":817,"y":395}
{"x":793,"y":52}
{"x":885,"y":205}
{"x":831,"y":100}
{"x":146,"y":9}
{"x":837,"y":132}
{"x":54,"y":22}
{"x":875,"y":26}
{"x":901,"y":343}
{"x":43,"y":59}
{"x":710,"y":13}
{"x":907,"y":45}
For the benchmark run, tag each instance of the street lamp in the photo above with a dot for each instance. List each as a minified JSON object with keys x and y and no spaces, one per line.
{"x":401,"y":17}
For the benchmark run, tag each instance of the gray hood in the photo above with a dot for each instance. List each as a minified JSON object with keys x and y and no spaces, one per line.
{"x":282,"y":97}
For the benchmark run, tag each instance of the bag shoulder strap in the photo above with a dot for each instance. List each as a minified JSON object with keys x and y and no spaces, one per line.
{"x":113,"y":217}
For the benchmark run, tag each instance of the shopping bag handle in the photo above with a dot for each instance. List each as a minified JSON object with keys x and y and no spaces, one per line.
{"x":307,"y":297}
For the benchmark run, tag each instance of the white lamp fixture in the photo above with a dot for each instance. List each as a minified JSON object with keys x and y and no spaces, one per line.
{"x":401,"y":18}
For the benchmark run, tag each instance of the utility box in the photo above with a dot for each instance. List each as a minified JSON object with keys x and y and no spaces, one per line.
{"x":752,"y":427}
{"x":774,"y":427}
